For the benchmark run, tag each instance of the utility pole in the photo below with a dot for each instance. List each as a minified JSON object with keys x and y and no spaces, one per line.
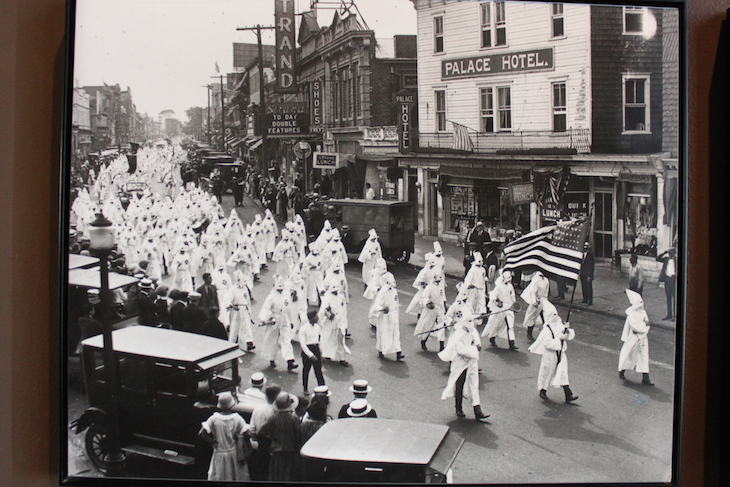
{"x":262,"y":98}
{"x":208,"y":87}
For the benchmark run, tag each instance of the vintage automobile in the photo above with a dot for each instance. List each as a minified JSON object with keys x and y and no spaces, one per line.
{"x":393,"y":220}
{"x":374,"y":450}
{"x":168,"y":381}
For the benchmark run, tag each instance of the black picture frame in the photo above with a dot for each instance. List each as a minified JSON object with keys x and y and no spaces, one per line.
{"x":682,"y":208}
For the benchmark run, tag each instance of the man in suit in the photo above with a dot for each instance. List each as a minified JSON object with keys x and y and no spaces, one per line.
{"x":146,"y":310}
{"x":587,"y":271}
{"x":208,"y":294}
{"x":194,"y":317}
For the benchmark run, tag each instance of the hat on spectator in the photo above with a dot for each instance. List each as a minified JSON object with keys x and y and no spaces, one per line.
{"x":322,"y":391}
{"x":286,"y":402}
{"x":360,"y":386}
{"x":226,"y":401}
{"x":93,"y":296}
{"x":258,"y":379}
{"x":358,"y":408}
{"x":193,"y":296}
{"x":145,"y":284}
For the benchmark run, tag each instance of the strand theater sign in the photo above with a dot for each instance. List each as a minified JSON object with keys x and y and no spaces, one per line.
{"x":284,"y":18}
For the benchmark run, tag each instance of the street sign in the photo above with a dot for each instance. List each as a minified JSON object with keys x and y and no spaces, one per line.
{"x":521,"y":193}
{"x":302,"y":149}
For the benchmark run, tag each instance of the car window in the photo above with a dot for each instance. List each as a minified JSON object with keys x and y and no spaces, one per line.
{"x":133,"y":373}
{"x":170,"y":379}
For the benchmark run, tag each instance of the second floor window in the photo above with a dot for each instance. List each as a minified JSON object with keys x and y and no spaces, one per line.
{"x":486,"y":110}
{"x":440,"y":102}
{"x":438,"y":34}
{"x":636,"y":104}
{"x":558,"y":20}
{"x":494,"y":24}
{"x":504,"y":108}
{"x":560,"y":108}
{"x":633,"y":20}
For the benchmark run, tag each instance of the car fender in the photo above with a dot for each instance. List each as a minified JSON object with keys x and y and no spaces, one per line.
{"x":90,"y":416}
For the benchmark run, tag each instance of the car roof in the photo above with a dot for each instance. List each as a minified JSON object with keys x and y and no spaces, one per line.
{"x":376,"y":440}
{"x":178,"y":346}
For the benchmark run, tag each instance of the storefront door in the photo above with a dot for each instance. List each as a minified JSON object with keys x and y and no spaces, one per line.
{"x":603,"y":225}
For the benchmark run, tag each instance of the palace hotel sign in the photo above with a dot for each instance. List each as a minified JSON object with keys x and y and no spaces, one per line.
{"x":533,"y":60}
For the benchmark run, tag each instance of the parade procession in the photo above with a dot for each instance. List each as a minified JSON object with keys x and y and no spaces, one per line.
{"x":325,"y":277}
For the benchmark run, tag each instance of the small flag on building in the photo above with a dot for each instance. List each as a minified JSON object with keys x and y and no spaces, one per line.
{"x":556,"y":250}
{"x":462,"y":141}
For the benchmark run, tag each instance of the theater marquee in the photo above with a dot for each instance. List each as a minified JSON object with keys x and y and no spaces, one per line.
{"x":536,"y":59}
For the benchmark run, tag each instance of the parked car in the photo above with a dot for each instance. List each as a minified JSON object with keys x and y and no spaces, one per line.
{"x":168,"y":382}
{"x":393,"y":220}
{"x":374,"y":450}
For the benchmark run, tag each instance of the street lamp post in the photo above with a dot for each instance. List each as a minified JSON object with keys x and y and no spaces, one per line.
{"x":101,"y":236}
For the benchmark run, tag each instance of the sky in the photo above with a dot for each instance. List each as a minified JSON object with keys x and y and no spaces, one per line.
{"x":166,"y":51}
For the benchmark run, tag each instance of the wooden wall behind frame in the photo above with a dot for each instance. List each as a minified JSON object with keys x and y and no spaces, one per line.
{"x":31,"y":36}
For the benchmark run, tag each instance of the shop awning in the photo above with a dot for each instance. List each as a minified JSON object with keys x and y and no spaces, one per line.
{"x":480,"y":173}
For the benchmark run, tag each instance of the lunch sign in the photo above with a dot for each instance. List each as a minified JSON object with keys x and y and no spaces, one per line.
{"x":536,"y":59}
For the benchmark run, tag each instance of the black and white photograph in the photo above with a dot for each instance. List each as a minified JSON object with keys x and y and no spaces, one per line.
{"x":373,"y":241}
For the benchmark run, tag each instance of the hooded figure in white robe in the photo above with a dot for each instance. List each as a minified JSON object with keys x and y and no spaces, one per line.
{"x":259,"y":240}
{"x":333,"y":321}
{"x":334,"y":250}
{"x":377,"y":278}
{"x":475,"y":286}
{"x":462,"y":351}
{"x":385,"y":314}
{"x":285,"y":254}
{"x":243,"y":260}
{"x":634,"y":353}
{"x":420,"y":282}
{"x":313,"y":274}
{"x":297,"y":308}
{"x":203,"y":259}
{"x":432,"y":315}
{"x":325,"y":235}
{"x":275,"y":318}
{"x":552,"y":344}
{"x":271,"y":231}
{"x":237,"y":306}
{"x":501,"y":322}
{"x":371,"y":251}
{"x":299,"y":231}
{"x":151,"y":252}
{"x":182,"y":277}
{"x":534,"y":293}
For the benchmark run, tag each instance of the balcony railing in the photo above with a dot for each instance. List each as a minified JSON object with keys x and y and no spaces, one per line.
{"x":572,"y":139}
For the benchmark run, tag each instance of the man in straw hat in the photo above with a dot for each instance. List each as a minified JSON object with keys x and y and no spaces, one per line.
{"x":360,"y":408}
{"x":635,"y":350}
{"x":258,"y":381}
{"x":360,"y":389}
{"x":283,"y":430}
{"x":462,"y":351}
{"x":552,"y":344}
{"x":146,"y":310}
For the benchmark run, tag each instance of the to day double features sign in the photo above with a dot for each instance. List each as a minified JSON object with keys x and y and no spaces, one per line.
{"x":536,"y":59}
{"x":286,"y":119}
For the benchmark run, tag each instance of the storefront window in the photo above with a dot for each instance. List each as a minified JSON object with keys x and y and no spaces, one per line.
{"x":640,"y":224}
{"x":461,"y":208}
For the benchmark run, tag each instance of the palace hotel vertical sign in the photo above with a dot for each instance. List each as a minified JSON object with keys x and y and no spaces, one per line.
{"x":284,"y":19}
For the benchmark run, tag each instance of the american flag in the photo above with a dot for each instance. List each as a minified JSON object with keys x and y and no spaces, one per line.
{"x":462,"y":141}
{"x":556,"y":250}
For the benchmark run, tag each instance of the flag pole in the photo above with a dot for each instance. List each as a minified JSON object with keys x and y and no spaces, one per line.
{"x":588,"y":232}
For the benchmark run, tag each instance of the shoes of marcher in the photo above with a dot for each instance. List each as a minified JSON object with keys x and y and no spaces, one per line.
{"x":460,"y":413}
{"x":344,"y":363}
{"x":493,"y":342}
{"x":512,"y":346}
{"x":291,"y":365}
{"x":571,"y":398}
{"x":543,"y":394}
{"x":250,"y":346}
{"x":646,"y":380}
{"x":478,"y":414}
{"x":621,"y":375}
{"x":423,"y":345}
{"x":272,"y":364}
{"x":399,"y":356}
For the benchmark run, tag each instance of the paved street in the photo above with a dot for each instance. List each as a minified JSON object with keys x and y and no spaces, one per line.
{"x":614,"y":426}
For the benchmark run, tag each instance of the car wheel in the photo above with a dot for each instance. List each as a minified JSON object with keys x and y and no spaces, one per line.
{"x":97,"y":445}
{"x":402,"y":257}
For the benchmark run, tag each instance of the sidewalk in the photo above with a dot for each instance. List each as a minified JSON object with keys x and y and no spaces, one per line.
{"x":609,"y":297}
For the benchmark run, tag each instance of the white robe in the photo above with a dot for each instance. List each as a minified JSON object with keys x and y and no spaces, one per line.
{"x":238,"y":309}
{"x":313,"y":275}
{"x":538,"y":288}
{"x":334,"y":329}
{"x":278,"y":334}
{"x":431,"y":318}
{"x":461,"y":350}
{"x":501,"y":322}
{"x":420,"y":283}
{"x":475,"y":289}
{"x":635,"y":350}
{"x":387,"y":338}
{"x":552,"y":345}
{"x":368,"y":257}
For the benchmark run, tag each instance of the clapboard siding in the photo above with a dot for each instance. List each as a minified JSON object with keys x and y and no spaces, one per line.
{"x":528,"y":27}
{"x":614,"y":54}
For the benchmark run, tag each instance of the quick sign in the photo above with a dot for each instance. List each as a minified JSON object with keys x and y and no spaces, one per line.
{"x":326,"y":160}
{"x":284,"y":19}
{"x":534,"y":60}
